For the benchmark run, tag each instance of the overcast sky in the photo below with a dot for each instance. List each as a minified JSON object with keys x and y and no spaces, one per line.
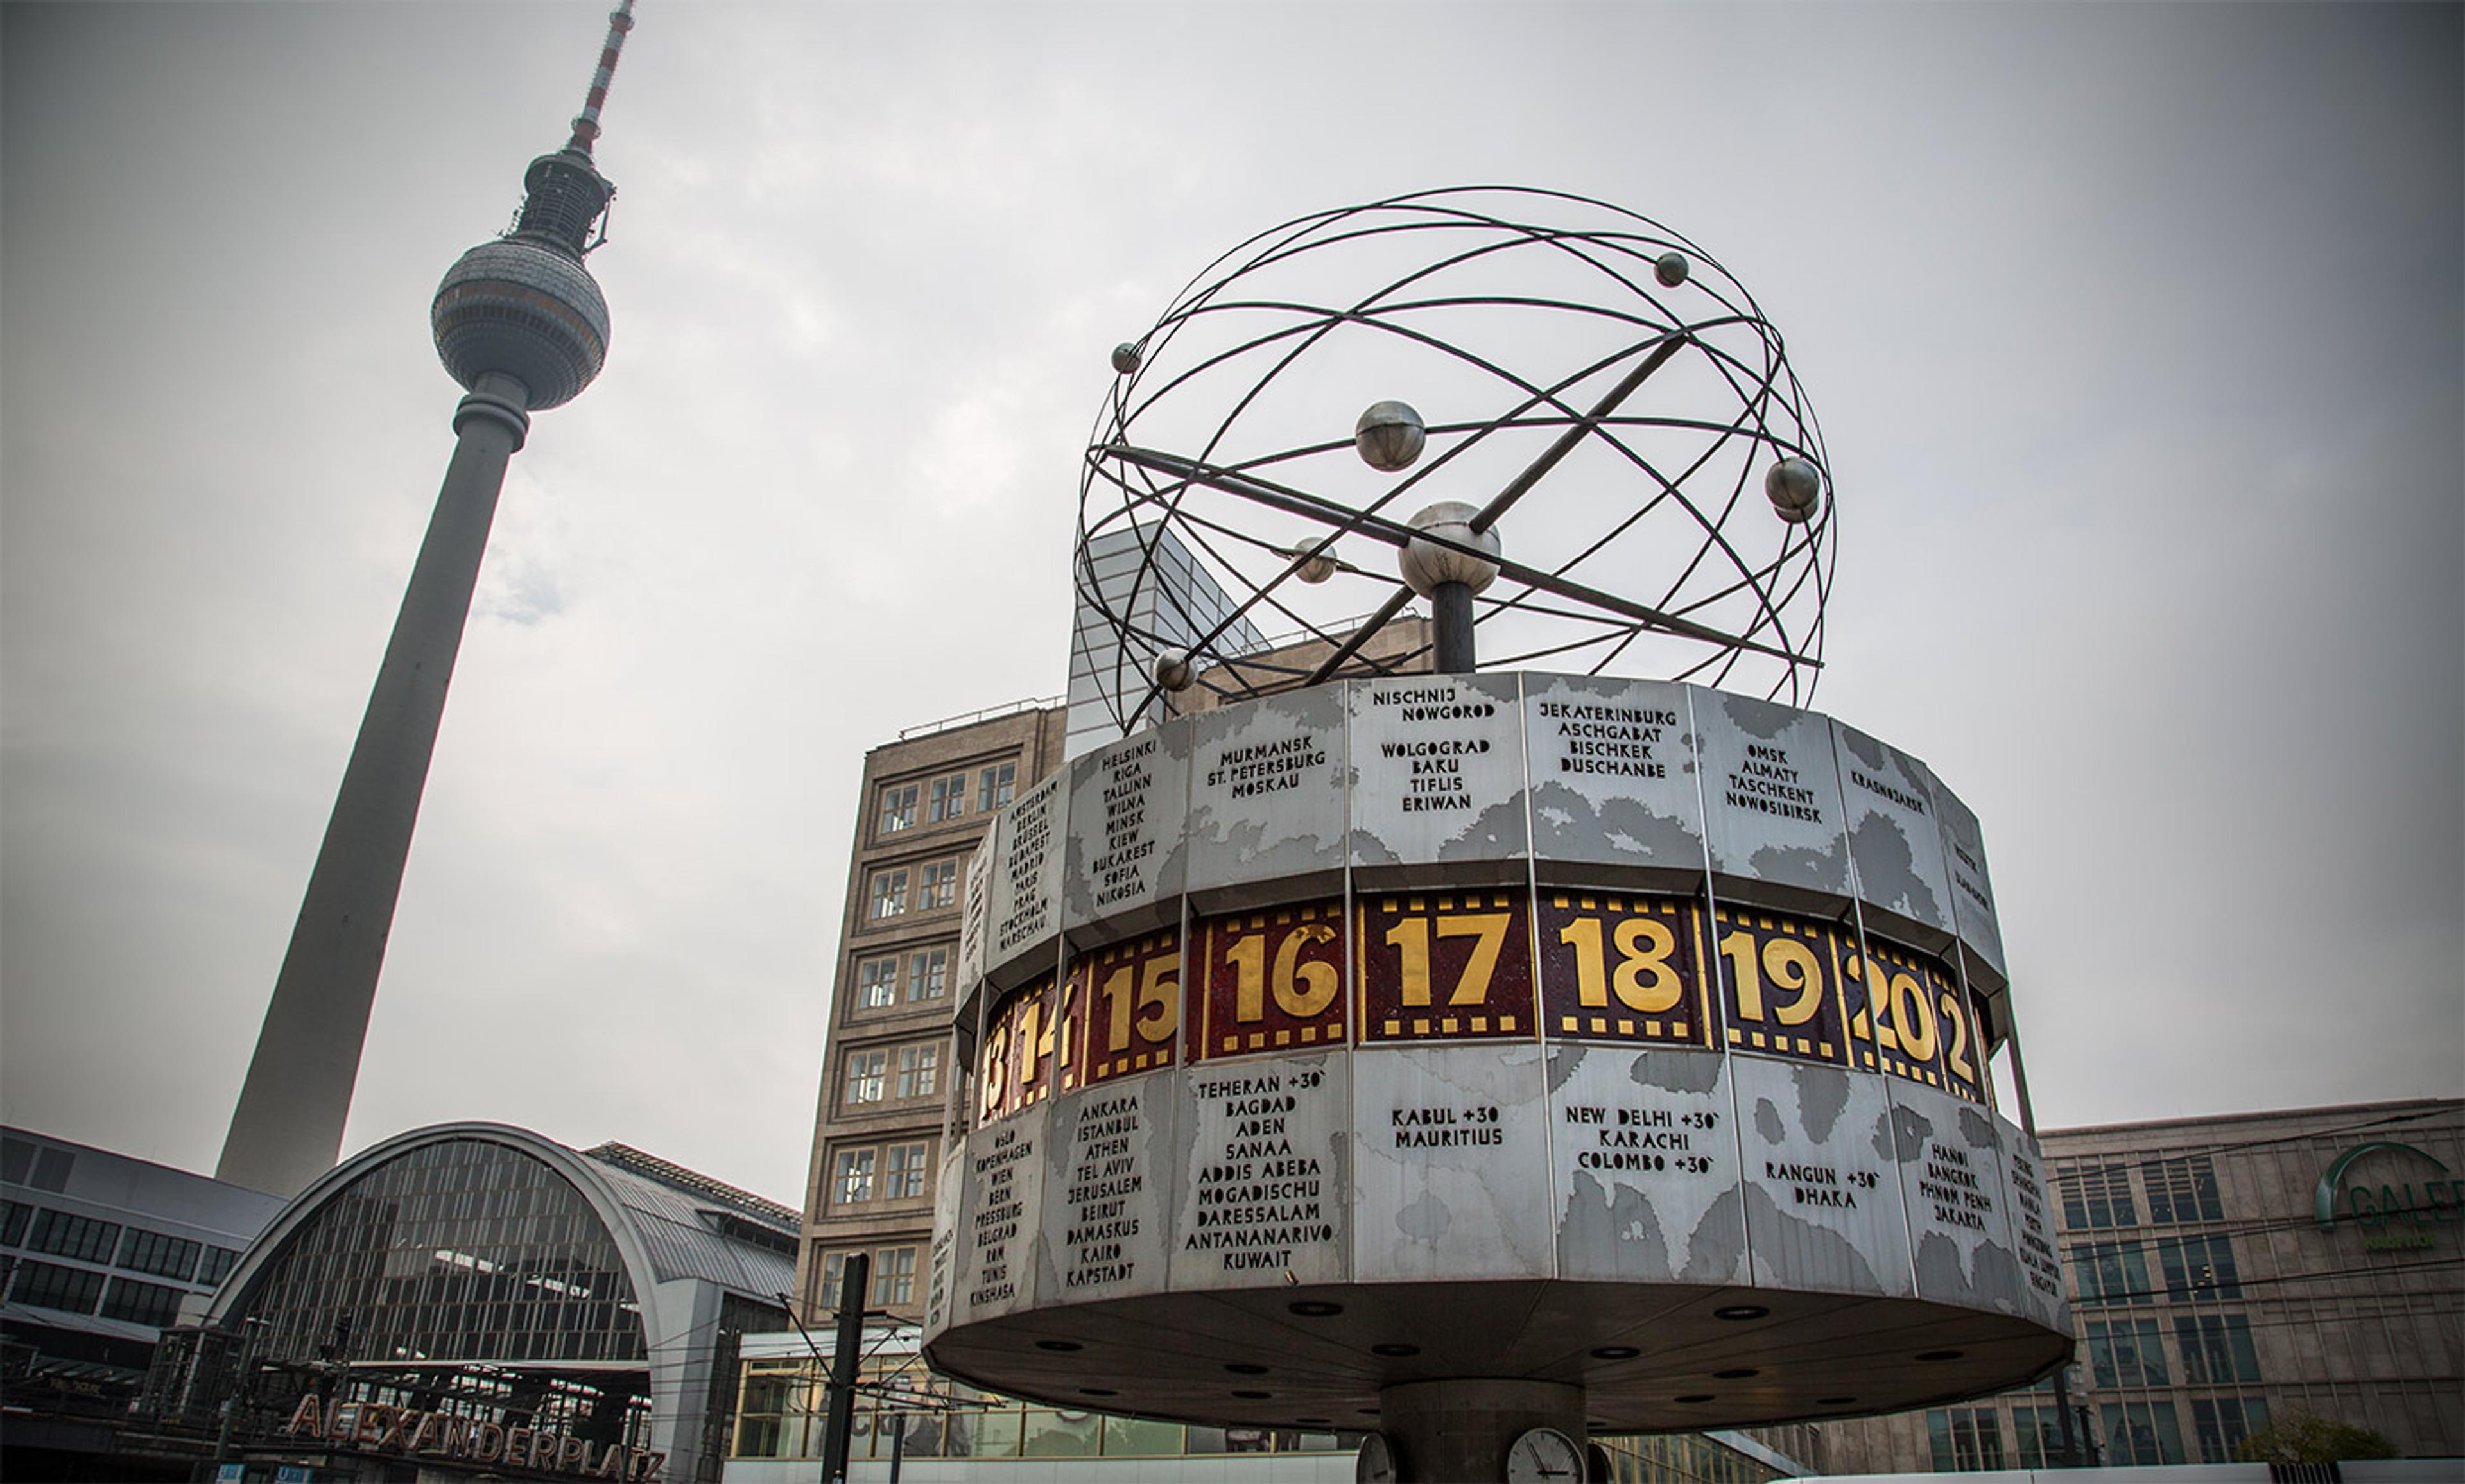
{"x":2137,"y":335}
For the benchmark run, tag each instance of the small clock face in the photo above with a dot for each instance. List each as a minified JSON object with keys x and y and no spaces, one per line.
{"x":1545,"y":1455}
{"x":1376,"y":1462}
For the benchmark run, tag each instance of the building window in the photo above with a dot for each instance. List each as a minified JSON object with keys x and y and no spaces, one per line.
{"x":894,"y":1276}
{"x":2182,"y":1191}
{"x":2126,"y":1353}
{"x":2220,"y":1424}
{"x":46,"y":1285}
{"x":13,"y":1216}
{"x":217,"y":1265}
{"x":902,"y":1177}
{"x":2096,"y":1197}
{"x":936,"y":885}
{"x":866,"y":1074}
{"x":877,"y":983}
{"x":2199,"y":1267}
{"x":928,"y":974}
{"x":919,"y":1071}
{"x":949,"y":798}
{"x":64,"y":1235}
{"x":889,"y":893}
{"x":142,"y":1303}
{"x":994,"y":786}
{"x":2216,"y":1349}
{"x":852,"y":1178}
{"x":2110,"y":1272}
{"x":2141,"y":1434}
{"x":1965,"y":1439}
{"x":897,"y":807}
{"x":2041,"y":1436}
{"x":164,"y":1256}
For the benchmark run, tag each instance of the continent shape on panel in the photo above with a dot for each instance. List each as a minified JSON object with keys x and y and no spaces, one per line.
{"x":1613,"y":776}
{"x":1267,"y":797}
{"x":1771,"y":801}
{"x":942,"y":1261}
{"x":1437,"y":771}
{"x":1000,"y":1236}
{"x":1823,"y":1199}
{"x":1648,"y":1184}
{"x":1107,"y":1181}
{"x":1895,"y":840}
{"x":1123,"y":867}
{"x":1972,"y":893}
{"x":1450,"y":1139}
{"x":1952,"y":1183}
{"x":1262,"y":1191}
{"x":1027,"y":884}
{"x":976,"y":910}
{"x":2034,"y":1237}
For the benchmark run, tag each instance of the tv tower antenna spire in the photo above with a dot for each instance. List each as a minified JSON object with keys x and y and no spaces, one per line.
{"x":523,"y":327}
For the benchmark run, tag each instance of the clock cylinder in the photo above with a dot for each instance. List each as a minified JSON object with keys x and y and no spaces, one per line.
{"x":1624,"y":1041}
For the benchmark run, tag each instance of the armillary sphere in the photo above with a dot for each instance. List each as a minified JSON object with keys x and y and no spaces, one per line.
{"x":1562,"y":423}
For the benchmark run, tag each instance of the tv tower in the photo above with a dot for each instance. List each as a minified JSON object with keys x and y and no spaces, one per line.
{"x":521,"y":325}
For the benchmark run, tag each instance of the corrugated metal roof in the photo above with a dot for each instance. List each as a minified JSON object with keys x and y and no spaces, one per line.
{"x":681,"y":1232}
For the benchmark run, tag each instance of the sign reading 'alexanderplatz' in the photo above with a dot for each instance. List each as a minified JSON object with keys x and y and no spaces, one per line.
{"x":1556,"y":1025}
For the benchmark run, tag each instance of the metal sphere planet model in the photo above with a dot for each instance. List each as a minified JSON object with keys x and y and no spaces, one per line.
{"x":1495,"y":1022}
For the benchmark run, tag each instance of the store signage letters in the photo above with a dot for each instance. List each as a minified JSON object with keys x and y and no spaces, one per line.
{"x":2386,"y":1205}
{"x":439,"y":1434}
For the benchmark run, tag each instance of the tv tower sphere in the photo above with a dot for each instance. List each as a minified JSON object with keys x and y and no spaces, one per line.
{"x":521,"y":310}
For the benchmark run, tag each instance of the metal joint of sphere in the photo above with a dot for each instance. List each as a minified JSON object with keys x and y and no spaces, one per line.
{"x":1425,"y":565}
{"x":1173,"y":671}
{"x":519,"y":309}
{"x":1795,"y":489}
{"x":1390,"y":435}
{"x":1126,"y":357}
{"x":1311,"y":566}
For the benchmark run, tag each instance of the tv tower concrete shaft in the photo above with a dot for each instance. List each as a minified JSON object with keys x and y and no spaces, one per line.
{"x":521,"y":325}
{"x":288,"y":1129}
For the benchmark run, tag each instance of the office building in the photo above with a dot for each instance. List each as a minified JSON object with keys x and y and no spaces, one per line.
{"x":891,"y":1090}
{"x":99,"y":1253}
{"x":2225,"y":1271}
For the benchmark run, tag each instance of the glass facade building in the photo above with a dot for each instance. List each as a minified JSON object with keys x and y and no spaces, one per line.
{"x":99,"y":1253}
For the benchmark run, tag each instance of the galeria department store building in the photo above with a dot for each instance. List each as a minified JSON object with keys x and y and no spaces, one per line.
{"x":2212,"y":1291}
{"x":2225,"y":1271}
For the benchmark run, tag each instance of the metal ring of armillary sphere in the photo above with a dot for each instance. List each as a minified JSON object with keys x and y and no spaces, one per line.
{"x":1567,"y":406}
